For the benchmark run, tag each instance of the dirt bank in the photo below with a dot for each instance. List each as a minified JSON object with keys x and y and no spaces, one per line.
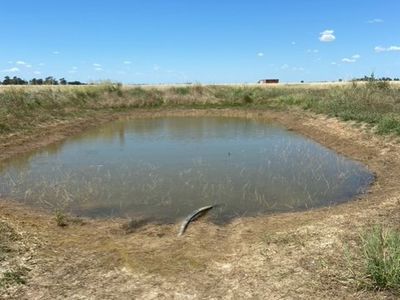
{"x":295,"y":255}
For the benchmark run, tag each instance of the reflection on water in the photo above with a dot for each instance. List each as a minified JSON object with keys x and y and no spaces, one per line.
{"x":164,"y":168}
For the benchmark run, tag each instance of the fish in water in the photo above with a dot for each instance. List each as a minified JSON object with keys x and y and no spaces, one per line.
{"x":193,"y":216}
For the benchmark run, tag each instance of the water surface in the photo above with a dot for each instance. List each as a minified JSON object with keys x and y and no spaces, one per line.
{"x":164,"y":168}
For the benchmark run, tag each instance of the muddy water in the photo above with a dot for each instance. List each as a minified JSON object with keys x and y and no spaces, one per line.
{"x":163,"y":168}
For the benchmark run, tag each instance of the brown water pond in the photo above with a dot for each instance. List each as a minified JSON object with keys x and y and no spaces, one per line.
{"x":163,"y":168}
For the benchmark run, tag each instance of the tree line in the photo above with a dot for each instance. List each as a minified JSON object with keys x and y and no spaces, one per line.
{"x":38,"y":81}
{"x":373,"y":78}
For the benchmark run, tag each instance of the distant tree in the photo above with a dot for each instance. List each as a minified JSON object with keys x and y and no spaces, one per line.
{"x":63,"y":81}
{"x":50,"y":81}
{"x":372,"y":78}
{"x":17,"y":81}
{"x":7,"y":80}
{"x":76,"y":83}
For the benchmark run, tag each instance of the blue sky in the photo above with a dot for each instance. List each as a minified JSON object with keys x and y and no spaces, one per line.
{"x":167,"y":41}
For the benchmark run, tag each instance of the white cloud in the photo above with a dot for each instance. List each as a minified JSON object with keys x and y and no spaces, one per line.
{"x":260,"y":54}
{"x":23,"y":63}
{"x":293,"y":43}
{"x":327,"y":36}
{"x":11,"y":70}
{"x":312,"y":51}
{"x":156,"y":68}
{"x":37,"y":72}
{"x":74,"y":68}
{"x":127,"y":62}
{"x":349,"y":60}
{"x":56,"y":52}
{"x":96,"y":65}
{"x":41,"y":64}
{"x":379,"y":49}
{"x":352,"y":59}
{"x":373,"y":21}
{"x":285,"y":66}
{"x":98,"y":69}
{"x":393,"y":48}
{"x":333,"y":63}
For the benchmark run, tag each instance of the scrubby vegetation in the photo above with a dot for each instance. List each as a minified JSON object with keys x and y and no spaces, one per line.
{"x":376,"y":103}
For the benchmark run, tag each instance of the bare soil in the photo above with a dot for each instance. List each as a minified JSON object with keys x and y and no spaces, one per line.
{"x":304,"y":255}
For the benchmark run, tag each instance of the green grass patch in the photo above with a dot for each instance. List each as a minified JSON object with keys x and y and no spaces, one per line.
{"x":381,"y":255}
{"x":182,"y":91}
{"x":389,"y":124}
{"x":14,"y":277}
{"x":61,"y":219}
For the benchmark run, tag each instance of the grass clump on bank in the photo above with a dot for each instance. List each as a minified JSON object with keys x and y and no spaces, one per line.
{"x":10,"y":272}
{"x":381,"y":254}
{"x":7,"y":237}
{"x":13,"y":277}
{"x":61,"y":219}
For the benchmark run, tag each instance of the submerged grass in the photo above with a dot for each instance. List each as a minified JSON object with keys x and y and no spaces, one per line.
{"x":23,"y":108}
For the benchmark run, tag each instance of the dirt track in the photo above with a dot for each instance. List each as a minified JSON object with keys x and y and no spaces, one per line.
{"x":293,"y":255}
